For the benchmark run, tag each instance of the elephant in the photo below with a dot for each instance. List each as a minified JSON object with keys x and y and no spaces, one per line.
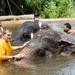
{"x":48,"y":43}
{"x":24,"y":31}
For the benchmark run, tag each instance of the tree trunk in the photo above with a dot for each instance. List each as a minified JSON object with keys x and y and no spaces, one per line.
{"x":20,"y":17}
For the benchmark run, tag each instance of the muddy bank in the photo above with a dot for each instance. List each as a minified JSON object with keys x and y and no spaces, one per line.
{"x":60,"y":20}
{"x":19,"y":22}
{"x":13,"y":23}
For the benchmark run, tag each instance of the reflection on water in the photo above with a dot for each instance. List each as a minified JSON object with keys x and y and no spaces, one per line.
{"x":69,"y":69}
{"x":42,"y":66}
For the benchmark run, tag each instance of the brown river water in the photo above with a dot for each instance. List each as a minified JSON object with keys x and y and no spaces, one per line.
{"x":42,"y":66}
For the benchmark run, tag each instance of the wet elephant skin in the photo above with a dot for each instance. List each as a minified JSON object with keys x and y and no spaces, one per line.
{"x":46,"y":42}
{"x":24,"y":31}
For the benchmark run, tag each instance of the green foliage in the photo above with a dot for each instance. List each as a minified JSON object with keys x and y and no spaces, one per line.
{"x":34,"y":5}
{"x":45,"y":8}
{"x":50,"y":10}
{"x":58,"y":9}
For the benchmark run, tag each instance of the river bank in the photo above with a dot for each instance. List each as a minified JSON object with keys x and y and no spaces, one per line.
{"x":13,"y":23}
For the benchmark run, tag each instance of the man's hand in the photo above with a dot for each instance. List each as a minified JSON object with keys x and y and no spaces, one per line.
{"x":25,"y":43}
{"x":19,"y":57}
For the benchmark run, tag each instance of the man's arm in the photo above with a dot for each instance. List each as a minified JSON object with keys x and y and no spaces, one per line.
{"x":71,"y":32}
{"x":20,"y":47}
{"x":15,"y":57}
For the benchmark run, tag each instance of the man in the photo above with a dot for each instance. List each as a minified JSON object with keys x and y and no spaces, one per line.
{"x":44,"y":26}
{"x":6,"y":48}
{"x":36,"y":19}
{"x":67,"y":29}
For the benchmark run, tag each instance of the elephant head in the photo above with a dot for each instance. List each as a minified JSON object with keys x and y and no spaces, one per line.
{"x":24,"y":31}
{"x":47,"y":42}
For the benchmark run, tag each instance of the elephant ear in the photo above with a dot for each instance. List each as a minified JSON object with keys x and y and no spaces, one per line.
{"x":48,"y":42}
{"x":66,"y":40}
{"x":50,"y":45}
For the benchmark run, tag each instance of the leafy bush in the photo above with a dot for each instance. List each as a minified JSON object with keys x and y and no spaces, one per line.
{"x":58,"y":9}
{"x":44,"y":8}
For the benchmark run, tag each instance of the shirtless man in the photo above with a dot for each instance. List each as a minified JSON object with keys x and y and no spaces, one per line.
{"x":36,"y":19}
{"x":67,"y":29}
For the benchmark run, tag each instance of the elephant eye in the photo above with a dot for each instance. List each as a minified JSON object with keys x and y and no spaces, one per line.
{"x":40,"y":53}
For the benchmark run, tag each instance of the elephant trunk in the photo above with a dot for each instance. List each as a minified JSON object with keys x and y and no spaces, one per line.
{"x":29,"y":54}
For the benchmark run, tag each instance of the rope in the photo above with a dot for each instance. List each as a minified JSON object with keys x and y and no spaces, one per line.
{"x":17,"y":7}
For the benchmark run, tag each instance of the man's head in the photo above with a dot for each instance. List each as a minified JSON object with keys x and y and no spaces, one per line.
{"x":36,"y":19}
{"x":7,"y":34}
{"x":67,"y":27}
{"x":44,"y":25}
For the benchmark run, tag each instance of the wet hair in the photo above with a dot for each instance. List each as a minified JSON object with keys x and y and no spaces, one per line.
{"x":6,"y":31}
{"x":67,"y":25}
{"x":44,"y":24}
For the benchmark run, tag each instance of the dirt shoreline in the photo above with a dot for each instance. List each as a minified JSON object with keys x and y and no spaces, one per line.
{"x":19,"y":22}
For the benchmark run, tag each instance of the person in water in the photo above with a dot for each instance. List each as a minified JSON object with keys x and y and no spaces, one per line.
{"x":45,"y":26}
{"x":6,"y":48}
{"x":67,"y":29}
